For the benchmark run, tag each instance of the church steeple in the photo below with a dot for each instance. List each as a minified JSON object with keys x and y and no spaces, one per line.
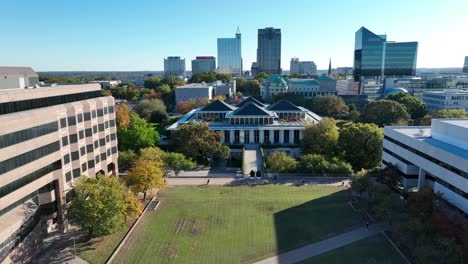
{"x":238,"y":33}
{"x":329,"y":68}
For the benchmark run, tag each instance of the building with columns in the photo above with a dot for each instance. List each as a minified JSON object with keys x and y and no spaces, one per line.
{"x":252,"y":122}
{"x":435,"y":156}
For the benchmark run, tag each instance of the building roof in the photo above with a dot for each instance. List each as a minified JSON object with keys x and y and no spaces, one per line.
{"x":251,"y":109}
{"x":284,"y":105}
{"x":218,"y":106}
{"x":5,"y":70}
{"x":395,"y":90}
{"x":277,"y":80}
{"x":324,"y":78}
{"x":195,"y":85}
{"x":248,"y":100}
{"x":303,"y":81}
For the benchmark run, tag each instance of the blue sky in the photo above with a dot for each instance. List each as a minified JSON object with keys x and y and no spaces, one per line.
{"x":138,"y":34}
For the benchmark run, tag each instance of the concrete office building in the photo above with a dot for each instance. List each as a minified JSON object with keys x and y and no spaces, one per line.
{"x":465,"y":65}
{"x":203,"y":64}
{"x":230,"y":55}
{"x":374,"y":56}
{"x":17,"y":77}
{"x":205,"y":90}
{"x":435,"y":156}
{"x":251,"y":122}
{"x":302,"y":67}
{"x":49,"y":137}
{"x":446,"y":99}
{"x":347,"y":87}
{"x":174,"y":66}
{"x":269,"y":51}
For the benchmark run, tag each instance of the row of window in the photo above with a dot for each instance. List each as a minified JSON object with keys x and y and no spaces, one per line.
{"x":398,"y":157}
{"x":30,"y":156}
{"x":442,"y":164}
{"x":24,"y":105}
{"x":13,"y":186}
{"x":266,"y":136}
{"x":12,"y":206}
{"x":448,"y":186}
{"x":27,"y":134}
{"x":73,"y":138}
{"x":80,"y":117}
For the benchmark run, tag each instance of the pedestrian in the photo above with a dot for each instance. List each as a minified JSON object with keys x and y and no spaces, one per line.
{"x":207,"y":181}
{"x":367,"y":225}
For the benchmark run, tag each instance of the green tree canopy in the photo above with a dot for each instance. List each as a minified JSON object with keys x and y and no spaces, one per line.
{"x":137,"y":135}
{"x":451,"y":113}
{"x":361,"y":145}
{"x":248,"y":87}
{"x":321,"y":138}
{"x":279,"y":162}
{"x":197,"y":142}
{"x":413,"y":105}
{"x":329,"y":105}
{"x":98,"y":205}
{"x":385,"y":113}
{"x":163,"y":89}
{"x":153,"y":82}
{"x":126,"y":158}
{"x":177,"y":162}
{"x":152,"y":110}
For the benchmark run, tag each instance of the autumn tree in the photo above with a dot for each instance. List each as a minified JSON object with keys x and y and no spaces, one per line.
{"x":145,"y":175}
{"x":122,"y":115}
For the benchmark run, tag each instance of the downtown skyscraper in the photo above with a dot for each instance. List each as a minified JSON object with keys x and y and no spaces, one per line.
{"x":374,"y":56}
{"x":269,"y":50}
{"x":230,"y":55}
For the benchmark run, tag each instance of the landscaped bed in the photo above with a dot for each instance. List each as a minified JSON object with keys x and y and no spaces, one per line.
{"x":221,"y":224}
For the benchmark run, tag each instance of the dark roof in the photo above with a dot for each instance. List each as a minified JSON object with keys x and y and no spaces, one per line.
{"x":248,"y":100}
{"x":283,"y":105}
{"x":218,"y":106}
{"x":251,"y":109}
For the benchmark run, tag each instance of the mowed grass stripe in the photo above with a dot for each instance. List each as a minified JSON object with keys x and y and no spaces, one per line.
{"x":221,"y":224}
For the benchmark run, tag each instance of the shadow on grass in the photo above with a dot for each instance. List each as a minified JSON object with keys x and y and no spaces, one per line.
{"x":313,"y":221}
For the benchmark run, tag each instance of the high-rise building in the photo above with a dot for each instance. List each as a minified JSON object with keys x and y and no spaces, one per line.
{"x":174,"y":66}
{"x":302,"y":67}
{"x":229,"y":55}
{"x":269,"y":50}
{"x":465,"y":66}
{"x":49,"y":137}
{"x":375,"y":57}
{"x":203,"y":64}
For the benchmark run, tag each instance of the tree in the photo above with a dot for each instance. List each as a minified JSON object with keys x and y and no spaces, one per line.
{"x":197,"y":142}
{"x":314,"y":163}
{"x":177,"y":162}
{"x":385,"y":113}
{"x":133,"y":206}
{"x":329,"y":105}
{"x":153,"y":154}
{"x":451,"y":113}
{"x":122,"y":115}
{"x":152,"y":110}
{"x":361,"y":145}
{"x":261,"y":76}
{"x":321,"y":138}
{"x":152,"y":83}
{"x":126,"y":158}
{"x":132,"y":94}
{"x":279,"y":162}
{"x":413,"y":105}
{"x":145,"y":175}
{"x":98,"y":205}
{"x":137,"y":135}
{"x":163,"y":89}
{"x":183,"y":107}
{"x":360,"y":184}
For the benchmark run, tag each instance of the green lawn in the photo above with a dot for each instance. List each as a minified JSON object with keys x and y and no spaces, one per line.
{"x":220,"y":224}
{"x":375,"y":249}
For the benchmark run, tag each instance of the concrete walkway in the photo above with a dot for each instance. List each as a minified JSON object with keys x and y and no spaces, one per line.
{"x":323,"y":246}
{"x":250,"y":161}
{"x":58,"y":249}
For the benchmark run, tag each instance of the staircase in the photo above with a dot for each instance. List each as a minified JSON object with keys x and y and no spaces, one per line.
{"x":252,"y":159}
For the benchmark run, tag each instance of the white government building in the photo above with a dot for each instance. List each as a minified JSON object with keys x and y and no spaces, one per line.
{"x":252,"y":122}
{"x":435,"y":156}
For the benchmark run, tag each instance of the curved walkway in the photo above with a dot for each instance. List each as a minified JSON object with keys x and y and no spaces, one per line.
{"x":323,"y":246}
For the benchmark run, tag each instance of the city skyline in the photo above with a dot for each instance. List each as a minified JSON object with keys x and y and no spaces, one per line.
{"x":135,"y":36}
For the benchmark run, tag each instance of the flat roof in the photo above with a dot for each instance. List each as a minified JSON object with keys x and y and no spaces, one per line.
{"x":13,"y":95}
{"x":195,"y":85}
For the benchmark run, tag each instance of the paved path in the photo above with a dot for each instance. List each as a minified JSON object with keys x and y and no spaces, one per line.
{"x":173,"y":181}
{"x":328,"y":244}
{"x":58,"y":249}
{"x":200,"y":181}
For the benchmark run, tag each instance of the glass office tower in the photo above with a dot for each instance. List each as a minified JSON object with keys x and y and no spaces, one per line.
{"x":369,"y":54}
{"x":269,"y":50}
{"x":400,"y":58}
{"x":465,"y":66}
{"x":229,"y":55}
{"x":374,"y":56}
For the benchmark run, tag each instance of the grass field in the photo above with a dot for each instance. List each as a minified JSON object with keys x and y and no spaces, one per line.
{"x":375,"y":249}
{"x":221,"y":224}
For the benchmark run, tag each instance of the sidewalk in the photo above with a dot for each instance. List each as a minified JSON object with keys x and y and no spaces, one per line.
{"x":323,"y":246}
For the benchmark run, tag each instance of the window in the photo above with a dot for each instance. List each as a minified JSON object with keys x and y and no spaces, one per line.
{"x":100,"y":112}
{"x":87,"y":116}
{"x":102,"y":142}
{"x":91,"y":164}
{"x":103,"y":156}
{"x":95,"y":129}
{"x":76,"y":173}
{"x":108,"y":152}
{"x":27,"y":134}
{"x":93,"y":113}
{"x":114,"y":150}
{"x":75,"y":155}
{"x":30,"y":156}
{"x":266,"y":135}
{"x":64,"y":141}
{"x":97,"y":159}
{"x":73,"y":138}
{"x":71,"y":120}
{"x":82,"y":151}
{"x":105,"y":110}
{"x":96,"y":144}
{"x":80,"y":117}
{"x":66,"y":159}
{"x":112,"y":123}
{"x":84,"y":167}
{"x":107,"y":138}
{"x":63,"y":122}
{"x":113,"y":136}
{"x":111,"y":109}
{"x":276,"y":136}
{"x":68,"y":176}
{"x":89,"y":132}
{"x":81,"y":134}
{"x":101,"y":127}
{"x":89,"y":148}
{"x":106,"y":124}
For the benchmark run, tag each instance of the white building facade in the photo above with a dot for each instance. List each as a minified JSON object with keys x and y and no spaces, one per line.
{"x":435,"y":156}
{"x":17,"y":77}
{"x":302,"y":67}
{"x":446,"y":99}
